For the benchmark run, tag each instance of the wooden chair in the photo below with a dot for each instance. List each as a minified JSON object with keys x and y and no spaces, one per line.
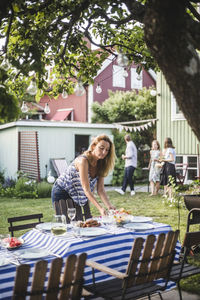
{"x":12,"y":228}
{"x":62,"y":205}
{"x":181,"y":172}
{"x":60,"y":286}
{"x":193,"y":218}
{"x":149,"y":260}
{"x":184,"y":269}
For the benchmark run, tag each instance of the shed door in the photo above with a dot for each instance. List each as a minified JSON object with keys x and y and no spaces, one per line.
{"x":81,"y":143}
{"x":28,"y":160}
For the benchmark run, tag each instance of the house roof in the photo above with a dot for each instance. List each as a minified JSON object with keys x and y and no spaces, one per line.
{"x":61,"y":114}
{"x":109,"y":60}
{"x":45,"y":123}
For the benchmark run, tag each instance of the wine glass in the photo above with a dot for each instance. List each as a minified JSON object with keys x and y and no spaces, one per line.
{"x":71,"y":212}
{"x":58,"y":225}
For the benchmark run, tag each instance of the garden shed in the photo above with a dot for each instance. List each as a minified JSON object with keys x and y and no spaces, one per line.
{"x":30,"y":145}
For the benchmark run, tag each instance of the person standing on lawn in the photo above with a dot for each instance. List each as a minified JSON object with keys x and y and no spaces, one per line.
{"x":130,"y":158}
{"x":168,"y":170}
{"x":154,"y":170}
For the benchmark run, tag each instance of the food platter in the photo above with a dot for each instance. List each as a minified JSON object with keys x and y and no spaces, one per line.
{"x":14,"y":243}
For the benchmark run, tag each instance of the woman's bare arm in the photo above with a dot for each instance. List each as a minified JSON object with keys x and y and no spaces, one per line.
{"x":102,"y":193}
{"x":82,"y":166}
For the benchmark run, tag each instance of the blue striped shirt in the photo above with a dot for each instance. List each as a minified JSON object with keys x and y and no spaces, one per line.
{"x":71,"y":183}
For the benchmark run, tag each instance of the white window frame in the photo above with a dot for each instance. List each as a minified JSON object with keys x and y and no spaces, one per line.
{"x":135,"y":83}
{"x":118,"y":79}
{"x":185,"y":161}
{"x":174,"y":115}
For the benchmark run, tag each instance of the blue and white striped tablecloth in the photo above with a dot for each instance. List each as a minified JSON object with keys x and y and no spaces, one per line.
{"x":110,"y":249}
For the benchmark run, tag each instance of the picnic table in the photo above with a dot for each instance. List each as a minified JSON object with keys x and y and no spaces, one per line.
{"x":111,"y":249}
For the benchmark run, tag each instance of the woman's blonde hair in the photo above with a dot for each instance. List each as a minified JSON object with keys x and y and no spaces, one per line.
{"x":104,"y":166}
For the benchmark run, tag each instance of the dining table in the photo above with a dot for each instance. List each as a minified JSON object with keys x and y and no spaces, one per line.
{"x":109,"y":245}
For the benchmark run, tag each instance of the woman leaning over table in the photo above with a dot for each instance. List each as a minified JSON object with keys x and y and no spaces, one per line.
{"x":85,"y":172}
{"x":169,"y":159}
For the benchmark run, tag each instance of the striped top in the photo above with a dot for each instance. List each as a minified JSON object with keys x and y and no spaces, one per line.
{"x":71,"y":183}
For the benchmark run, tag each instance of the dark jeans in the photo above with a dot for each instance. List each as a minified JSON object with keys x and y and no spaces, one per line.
{"x":58,"y":193}
{"x":128,"y":178}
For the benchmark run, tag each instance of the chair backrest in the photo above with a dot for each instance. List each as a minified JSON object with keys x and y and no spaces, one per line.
{"x":59,"y":165}
{"x":181,"y":172}
{"x":62,"y":205}
{"x":12,"y":228}
{"x":151,"y":258}
{"x":193,"y":217}
{"x":191,"y":239}
{"x":67,"y":285}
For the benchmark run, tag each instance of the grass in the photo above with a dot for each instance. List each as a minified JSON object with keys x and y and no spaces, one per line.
{"x":140,"y":204}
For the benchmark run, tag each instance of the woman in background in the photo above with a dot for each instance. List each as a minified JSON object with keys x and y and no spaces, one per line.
{"x":154,"y":170}
{"x":169,"y":159}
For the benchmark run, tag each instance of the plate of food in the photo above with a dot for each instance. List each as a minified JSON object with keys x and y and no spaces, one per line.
{"x":14,"y":243}
{"x":88,"y":223}
{"x":92,"y":231}
{"x":139,"y":226}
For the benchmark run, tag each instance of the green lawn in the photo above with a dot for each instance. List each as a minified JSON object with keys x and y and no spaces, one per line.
{"x":140,"y":204}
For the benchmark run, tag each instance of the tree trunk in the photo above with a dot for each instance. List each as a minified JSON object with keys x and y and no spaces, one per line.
{"x":167,"y":34}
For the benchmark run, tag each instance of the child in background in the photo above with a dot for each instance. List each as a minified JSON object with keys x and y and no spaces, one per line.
{"x":154,"y":173}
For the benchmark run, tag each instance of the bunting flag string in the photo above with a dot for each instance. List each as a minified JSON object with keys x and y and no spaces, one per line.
{"x":144,"y":126}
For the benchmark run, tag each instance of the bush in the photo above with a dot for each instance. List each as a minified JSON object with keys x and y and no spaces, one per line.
{"x":26,"y":188}
{"x":7,"y":192}
{"x":44,"y":189}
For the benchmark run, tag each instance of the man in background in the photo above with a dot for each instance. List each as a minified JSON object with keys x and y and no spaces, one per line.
{"x":130,"y":158}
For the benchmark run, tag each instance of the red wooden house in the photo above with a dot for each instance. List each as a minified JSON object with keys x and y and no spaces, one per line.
{"x":110,"y":77}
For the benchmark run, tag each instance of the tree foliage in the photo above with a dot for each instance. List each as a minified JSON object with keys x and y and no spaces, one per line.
{"x":152,"y":33}
{"x":122,"y":106}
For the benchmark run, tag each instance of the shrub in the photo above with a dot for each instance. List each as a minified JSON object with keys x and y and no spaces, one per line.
{"x":44,"y":189}
{"x":26,"y":188}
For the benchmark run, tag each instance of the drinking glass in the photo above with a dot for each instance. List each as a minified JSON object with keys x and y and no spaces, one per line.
{"x":58,"y":225}
{"x":4,"y":240}
{"x":71,"y":212}
{"x":112,"y":222}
